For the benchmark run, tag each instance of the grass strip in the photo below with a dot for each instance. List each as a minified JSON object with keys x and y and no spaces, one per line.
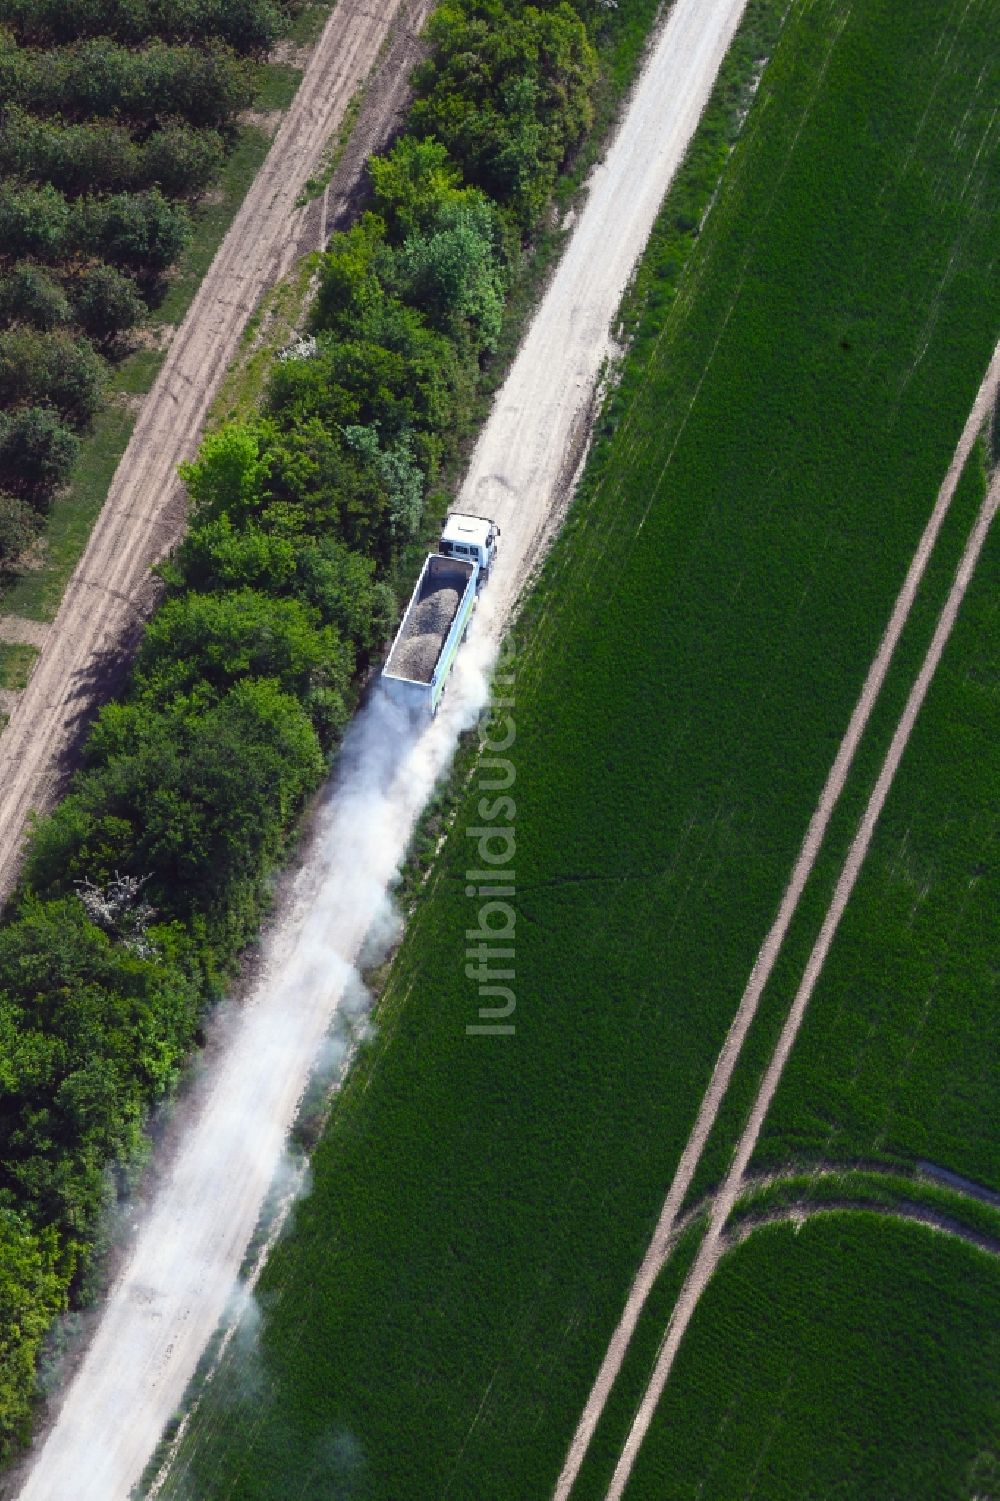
{"x":16,"y":661}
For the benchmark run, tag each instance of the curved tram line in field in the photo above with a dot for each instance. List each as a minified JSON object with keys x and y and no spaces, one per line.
{"x":714,"y":1243}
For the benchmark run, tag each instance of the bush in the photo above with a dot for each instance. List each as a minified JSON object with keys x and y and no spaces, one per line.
{"x":180,"y":160}
{"x":18,"y":529}
{"x":29,"y":295}
{"x":37,"y":451}
{"x":51,"y":368}
{"x":106,"y":303}
{"x":143,"y":231}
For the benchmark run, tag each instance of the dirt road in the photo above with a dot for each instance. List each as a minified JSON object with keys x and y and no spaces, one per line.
{"x":111,"y":590}
{"x":177,"y":1279}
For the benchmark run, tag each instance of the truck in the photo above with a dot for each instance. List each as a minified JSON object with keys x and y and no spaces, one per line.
{"x":437,"y":617}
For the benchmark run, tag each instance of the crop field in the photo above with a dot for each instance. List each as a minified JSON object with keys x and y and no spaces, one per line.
{"x":941,"y":793}
{"x":900,"y":1054}
{"x":848,"y":1359}
{"x":685,"y":670}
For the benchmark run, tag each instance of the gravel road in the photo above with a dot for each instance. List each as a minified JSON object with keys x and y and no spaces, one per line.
{"x":176,"y":1279}
{"x":111,"y":590}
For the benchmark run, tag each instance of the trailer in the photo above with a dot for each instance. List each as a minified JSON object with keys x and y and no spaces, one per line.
{"x":438,"y":614}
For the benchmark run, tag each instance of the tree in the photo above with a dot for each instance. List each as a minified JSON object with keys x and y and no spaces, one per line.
{"x":34,"y":221}
{"x":52,"y":368}
{"x":93,"y":1031}
{"x":32,"y":1292}
{"x":399,"y":474}
{"x":181,"y":160}
{"x":351,"y":284}
{"x":142,"y":231}
{"x":507,"y":94}
{"x":18,"y":529}
{"x":37,"y":451}
{"x":106,"y":303}
{"x":97,"y":156}
{"x":216,"y":640}
{"x":453,"y":271}
{"x":412,"y":184}
{"x":30,"y":295}
{"x":227,"y":477}
{"x":340,"y":585}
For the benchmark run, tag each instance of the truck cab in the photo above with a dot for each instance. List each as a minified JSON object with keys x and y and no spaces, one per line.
{"x":473,"y":539}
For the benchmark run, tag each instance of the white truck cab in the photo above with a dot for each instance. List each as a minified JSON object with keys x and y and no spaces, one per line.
{"x":471,"y":538}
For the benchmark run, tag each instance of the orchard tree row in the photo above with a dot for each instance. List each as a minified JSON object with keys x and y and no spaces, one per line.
{"x":115,"y":115}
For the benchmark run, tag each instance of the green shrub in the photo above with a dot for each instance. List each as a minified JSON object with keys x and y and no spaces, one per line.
{"x":51,"y":368}
{"x":37,"y":451}
{"x":29,"y":295}
{"x":106,"y":303}
{"x":19,"y":524}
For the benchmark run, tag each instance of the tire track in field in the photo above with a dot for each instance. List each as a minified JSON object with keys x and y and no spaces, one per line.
{"x":714,"y":1243}
{"x":111,"y":591}
{"x":906,"y":1210}
{"x":725,"y":1064}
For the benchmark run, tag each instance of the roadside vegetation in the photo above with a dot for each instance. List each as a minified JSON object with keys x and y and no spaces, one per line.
{"x":686,"y":668}
{"x":143,"y":887}
{"x":864,"y":1367}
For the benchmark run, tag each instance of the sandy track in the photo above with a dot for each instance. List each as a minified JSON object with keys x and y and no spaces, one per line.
{"x":177,"y":1277}
{"x":722,"y":1073}
{"x":714,"y":1244}
{"x":111,"y":590}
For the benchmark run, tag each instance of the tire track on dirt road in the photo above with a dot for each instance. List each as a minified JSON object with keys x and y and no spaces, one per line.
{"x":111,"y":590}
{"x":725,"y":1064}
{"x":714,"y":1244}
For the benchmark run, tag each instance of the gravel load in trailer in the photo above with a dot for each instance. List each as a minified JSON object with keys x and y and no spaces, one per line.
{"x":440,"y":609}
{"x":428,"y":622}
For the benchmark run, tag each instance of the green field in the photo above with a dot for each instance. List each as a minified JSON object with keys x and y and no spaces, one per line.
{"x":899,"y":1056}
{"x":850,"y":1359}
{"x":686,"y":669}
